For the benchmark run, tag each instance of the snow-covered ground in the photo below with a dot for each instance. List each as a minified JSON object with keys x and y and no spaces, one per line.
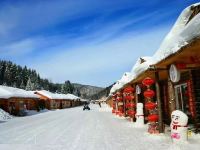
{"x":4,"y":116}
{"x":75,"y":129}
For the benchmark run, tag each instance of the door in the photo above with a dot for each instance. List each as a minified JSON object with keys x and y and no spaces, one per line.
{"x":181,"y":94}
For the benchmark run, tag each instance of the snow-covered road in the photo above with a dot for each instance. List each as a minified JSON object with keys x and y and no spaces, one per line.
{"x":75,"y":129}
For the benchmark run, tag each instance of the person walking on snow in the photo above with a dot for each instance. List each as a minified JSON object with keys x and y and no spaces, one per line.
{"x":99,"y":104}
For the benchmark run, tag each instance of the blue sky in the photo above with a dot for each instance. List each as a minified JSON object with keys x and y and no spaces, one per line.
{"x":85,"y":41}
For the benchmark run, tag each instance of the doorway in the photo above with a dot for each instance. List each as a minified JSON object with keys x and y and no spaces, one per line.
{"x":181,"y":94}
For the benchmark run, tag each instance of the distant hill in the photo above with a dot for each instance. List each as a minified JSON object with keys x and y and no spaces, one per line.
{"x":103,"y":93}
{"x":86,"y":91}
{"x":17,"y":76}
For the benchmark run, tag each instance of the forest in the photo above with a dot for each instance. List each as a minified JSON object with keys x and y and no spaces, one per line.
{"x":25,"y":78}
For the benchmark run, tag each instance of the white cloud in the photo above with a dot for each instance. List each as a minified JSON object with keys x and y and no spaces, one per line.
{"x":84,"y":63}
{"x":19,"y":48}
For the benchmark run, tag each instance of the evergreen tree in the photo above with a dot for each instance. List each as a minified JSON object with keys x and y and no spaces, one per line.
{"x":7,"y":74}
{"x":29,"y":85}
{"x":22,"y":86}
{"x":67,"y":87}
{"x":2,"y":71}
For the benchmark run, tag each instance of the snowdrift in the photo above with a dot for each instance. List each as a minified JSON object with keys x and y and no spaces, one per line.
{"x":4,"y":116}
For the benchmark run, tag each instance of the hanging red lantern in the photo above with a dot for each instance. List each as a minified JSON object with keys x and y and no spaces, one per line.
{"x":119,"y":99}
{"x":150,"y":105}
{"x":129,"y":97}
{"x":148,"y":81}
{"x":120,"y":109}
{"x":130,"y":105}
{"x":116,"y":112}
{"x":129,"y":89}
{"x":131,"y":112}
{"x":152,"y":118}
{"x":149,"y":93}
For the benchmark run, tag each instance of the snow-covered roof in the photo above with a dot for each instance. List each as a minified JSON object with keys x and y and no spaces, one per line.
{"x":140,"y":66}
{"x":51,"y":95}
{"x":71,"y":96}
{"x":182,"y":33}
{"x":127,"y":77}
{"x":8,"y":92}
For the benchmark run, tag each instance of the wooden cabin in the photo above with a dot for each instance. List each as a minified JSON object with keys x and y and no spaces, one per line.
{"x":15,"y":101}
{"x":51,"y":100}
{"x":176,"y":73}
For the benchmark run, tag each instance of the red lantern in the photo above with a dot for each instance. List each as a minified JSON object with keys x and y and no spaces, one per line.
{"x":129,"y":97}
{"x":120,"y":109}
{"x":119,"y":99}
{"x":130,"y":105}
{"x":153,"y":118}
{"x":131,"y":112}
{"x":116,"y":112}
{"x":148,"y":81}
{"x":150,"y":105}
{"x":149,"y":93}
{"x":129,"y":89}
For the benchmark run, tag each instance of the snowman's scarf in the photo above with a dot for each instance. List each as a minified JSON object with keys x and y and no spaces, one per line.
{"x":175,"y":126}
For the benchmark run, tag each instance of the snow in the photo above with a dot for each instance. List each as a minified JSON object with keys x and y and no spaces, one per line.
{"x":127,"y":77}
{"x":8,"y":92}
{"x":181,"y":34}
{"x":75,"y":129}
{"x":51,"y":95}
{"x":4,"y":116}
{"x":34,"y":112}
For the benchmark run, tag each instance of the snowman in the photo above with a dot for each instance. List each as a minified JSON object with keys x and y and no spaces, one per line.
{"x":178,"y":126}
{"x":139,"y":115}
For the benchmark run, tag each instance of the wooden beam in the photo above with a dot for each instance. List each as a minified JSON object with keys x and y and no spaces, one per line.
{"x":160,"y":120}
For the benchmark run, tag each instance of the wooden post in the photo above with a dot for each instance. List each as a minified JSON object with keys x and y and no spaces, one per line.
{"x":160,"y":120}
{"x":125,"y":115}
{"x":171,"y":92}
{"x":136,"y":97}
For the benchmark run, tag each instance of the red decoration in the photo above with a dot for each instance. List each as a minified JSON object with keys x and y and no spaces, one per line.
{"x":129,"y":97}
{"x":150,"y":105}
{"x":131,"y":112}
{"x":152,"y":118}
{"x":129,"y":89}
{"x":120,"y":114}
{"x":195,"y":59}
{"x":192,"y":106}
{"x":181,"y":66}
{"x":130,"y":105}
{"x":149,"y":93}
{"x":119,"y":99}
{"x":116,"y":112}
{"x":148,"y":81}
{"x":120,"y":109}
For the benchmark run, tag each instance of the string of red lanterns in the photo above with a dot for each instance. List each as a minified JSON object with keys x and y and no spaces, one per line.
{"x":129,"y":97}
{"x":120,"y":104}
{"x":151,"y":106}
